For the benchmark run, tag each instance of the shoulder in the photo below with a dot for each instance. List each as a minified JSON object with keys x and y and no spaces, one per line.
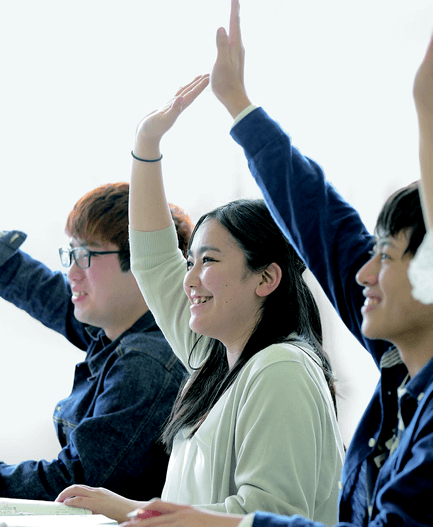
{"x":147,"y":350}
{"x":285,"y":368}
{"x":285,"y":355}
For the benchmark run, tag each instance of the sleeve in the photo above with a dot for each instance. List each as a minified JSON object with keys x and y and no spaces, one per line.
{"x":116,"y":446}
{"x":287,"y":459}
{"x":325,"y":230}
{"x":420,"y":271}
{"x":266,"y":519}
{"x":159,"y":268}
{"x":403,"y":499}
{"x":43,"y":294}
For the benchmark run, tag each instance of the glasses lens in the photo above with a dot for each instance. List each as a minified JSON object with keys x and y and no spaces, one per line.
{"x":81,"y":257}
{"x":65,"y":257}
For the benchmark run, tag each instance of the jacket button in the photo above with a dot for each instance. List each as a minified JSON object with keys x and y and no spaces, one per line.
{"x":371,"y":442}
{"x":58,"y":408}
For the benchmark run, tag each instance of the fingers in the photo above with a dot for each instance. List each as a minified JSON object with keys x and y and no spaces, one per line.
{"x":235,"y":38}
{"x":73,"y":490}
{"x":189,"y":93}
{"x":192,"y":85}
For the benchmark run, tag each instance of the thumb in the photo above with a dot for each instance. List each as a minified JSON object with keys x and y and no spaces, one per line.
{"x":222,"y":39}
{"x":177,"y":105}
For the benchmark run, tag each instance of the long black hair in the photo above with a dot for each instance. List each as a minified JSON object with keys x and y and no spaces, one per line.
{"x":288,"y":314}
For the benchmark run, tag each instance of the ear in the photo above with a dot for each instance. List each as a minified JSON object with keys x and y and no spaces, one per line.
{"x":270,"y":280}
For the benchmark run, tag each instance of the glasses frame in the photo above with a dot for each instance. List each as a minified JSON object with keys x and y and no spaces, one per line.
{"x":71,"y":254}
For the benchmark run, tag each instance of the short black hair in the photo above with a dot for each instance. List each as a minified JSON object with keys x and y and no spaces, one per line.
{"x":402,"y":212}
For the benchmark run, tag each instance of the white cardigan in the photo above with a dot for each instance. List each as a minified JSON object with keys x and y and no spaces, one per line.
{"x":271,"y":442}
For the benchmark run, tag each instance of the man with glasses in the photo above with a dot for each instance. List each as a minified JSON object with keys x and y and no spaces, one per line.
{"x":124,"y":389}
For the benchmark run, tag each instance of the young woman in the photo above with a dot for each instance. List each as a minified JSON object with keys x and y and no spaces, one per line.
{"x":255,"y":424}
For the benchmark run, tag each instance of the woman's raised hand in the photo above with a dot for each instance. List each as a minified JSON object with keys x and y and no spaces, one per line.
{"x":99,"y":501}
{"x":227,"y":78}
{"x":156,"y":124}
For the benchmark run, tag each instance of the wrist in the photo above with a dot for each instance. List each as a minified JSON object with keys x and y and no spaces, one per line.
{"x":147,"y":148}
{"x":235,"y":103}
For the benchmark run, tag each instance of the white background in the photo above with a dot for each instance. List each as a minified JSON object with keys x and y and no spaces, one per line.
{"x":78,"y":76}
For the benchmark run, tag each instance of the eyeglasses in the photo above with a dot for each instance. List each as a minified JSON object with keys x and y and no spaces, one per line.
{"x":81,"y":256}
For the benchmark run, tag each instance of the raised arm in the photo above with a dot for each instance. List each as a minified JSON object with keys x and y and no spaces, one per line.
{"x":423,"y":94}
{"x":227,"y":78}
{"x":149,"y":210}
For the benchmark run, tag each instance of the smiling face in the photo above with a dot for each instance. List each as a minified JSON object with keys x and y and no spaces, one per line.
{"x":103,"y":295}
{"x":221,"y":289}
{"x":390,"y":312}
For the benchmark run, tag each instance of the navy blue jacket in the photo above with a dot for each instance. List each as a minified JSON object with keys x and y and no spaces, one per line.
{"x":334,"y":243}
{"x":123,"y":391}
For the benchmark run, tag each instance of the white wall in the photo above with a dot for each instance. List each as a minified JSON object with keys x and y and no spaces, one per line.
{"x":78,"y":76}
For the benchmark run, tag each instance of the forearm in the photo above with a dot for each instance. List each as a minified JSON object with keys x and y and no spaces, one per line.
{"x":45,"y":295}
{"x":324,"y":229}
{"x":149,"y":210}
{"x":148,"y":207}
{"x":35,"y":480}
{"x":425,"y":122}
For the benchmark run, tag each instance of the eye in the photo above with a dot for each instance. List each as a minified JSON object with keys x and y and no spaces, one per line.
{"x":384,"y":256}
{"x":189,"y":264}
{"x":207,"y":259}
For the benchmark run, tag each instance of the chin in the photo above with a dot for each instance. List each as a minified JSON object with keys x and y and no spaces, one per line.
{"x":81,"y":317}
{"x":369,"y":331}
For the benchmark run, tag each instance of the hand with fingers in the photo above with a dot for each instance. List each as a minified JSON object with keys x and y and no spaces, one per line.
{"x":227,"y":78}
{"x":156,"y":124}
{"x":99,"y":501}
{"x":173,"y":515}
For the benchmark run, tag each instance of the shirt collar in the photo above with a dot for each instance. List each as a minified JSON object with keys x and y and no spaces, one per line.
{"x":102,"y":346}
{"x":416,"y":386}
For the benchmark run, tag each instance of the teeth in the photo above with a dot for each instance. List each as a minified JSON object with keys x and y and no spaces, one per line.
{"x":371,"y":301}
{"x":201,"y":300}
{"x":77,"y":294}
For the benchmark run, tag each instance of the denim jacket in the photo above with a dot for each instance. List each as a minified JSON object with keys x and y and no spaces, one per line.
{"x":334,"y":243}
{"x":122,"y":392}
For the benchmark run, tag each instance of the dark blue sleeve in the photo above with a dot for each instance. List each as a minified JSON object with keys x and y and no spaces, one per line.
{"x":325,"y":230}
{"x":43,"y":294}
{"x":267,"y":519}
{"x":116,"y":446}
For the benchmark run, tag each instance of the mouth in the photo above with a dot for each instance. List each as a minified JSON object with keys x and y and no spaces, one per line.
{"x":370,"y":303}
{"x":77,"y":294}
{"x":200,"y":300}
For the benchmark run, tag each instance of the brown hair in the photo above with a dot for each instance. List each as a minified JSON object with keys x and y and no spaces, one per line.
{"x":102,"y":214}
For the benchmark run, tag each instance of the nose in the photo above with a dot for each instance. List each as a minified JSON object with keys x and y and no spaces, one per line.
{"x":192,"y":278}
{"x":75,"y":274}
{"x":368,"y":273}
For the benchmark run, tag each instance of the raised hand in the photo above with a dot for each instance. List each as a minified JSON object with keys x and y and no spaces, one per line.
{"x":227,"y":78}
{"x":156,"y":124}
{"x":99,"y":501}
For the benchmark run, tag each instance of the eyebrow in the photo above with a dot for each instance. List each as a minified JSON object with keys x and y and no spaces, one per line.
{"x":203,"y":249}
{"x":85,"y":244}
{"x":384,"y":242}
